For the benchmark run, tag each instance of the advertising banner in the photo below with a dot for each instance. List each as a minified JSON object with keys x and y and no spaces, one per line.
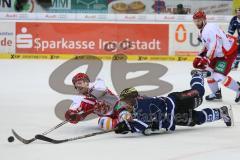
{"x":7,"y":37}
{"x":92,"y":38}
{"x":15,"y":6}
{"x":183,"y":38}
{"x":212,"y":7}
{"x":55,"y":6}
{"x":220,"y":7}
{"x":215,"y":7}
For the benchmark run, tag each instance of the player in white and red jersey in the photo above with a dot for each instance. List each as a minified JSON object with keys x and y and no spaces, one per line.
{"x":93,"y":98}
{"x":218,"y":53}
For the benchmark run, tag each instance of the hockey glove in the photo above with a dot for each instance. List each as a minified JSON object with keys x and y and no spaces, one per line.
{"x":151,"y":129}
{"x":122,"y":128}
{"x":72,"y":116}
{"x":200,"y":62}
{"x":203,"y":52}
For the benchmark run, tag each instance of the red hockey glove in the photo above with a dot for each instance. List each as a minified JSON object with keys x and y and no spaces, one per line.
{"x":87,"y":106}
{"x":72,"y":116}
{"x":200,"y":62}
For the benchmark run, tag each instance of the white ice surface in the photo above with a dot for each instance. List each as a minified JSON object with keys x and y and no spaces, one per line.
{"x":27,"y":105}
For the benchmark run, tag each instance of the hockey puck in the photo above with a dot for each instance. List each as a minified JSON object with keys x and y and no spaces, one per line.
{"x":10,"y":139}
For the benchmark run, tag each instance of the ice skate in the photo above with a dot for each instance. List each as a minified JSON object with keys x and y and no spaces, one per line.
{"x":214,"y":96}
{"x":224,"y":112}
{"x":204,"y":73}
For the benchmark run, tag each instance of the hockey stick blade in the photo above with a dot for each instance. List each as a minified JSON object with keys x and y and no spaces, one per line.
{"x":47,"y":139}
{"x":21,"y":139}
{"x":54,"y":141}
{"x":27,"y":141}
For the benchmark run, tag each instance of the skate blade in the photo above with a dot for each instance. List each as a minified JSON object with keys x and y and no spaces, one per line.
{"x":231,"y":114}
{"x":215,"y":100}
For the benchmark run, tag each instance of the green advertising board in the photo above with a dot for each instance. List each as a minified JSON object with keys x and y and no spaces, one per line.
{"x":89,"y":6}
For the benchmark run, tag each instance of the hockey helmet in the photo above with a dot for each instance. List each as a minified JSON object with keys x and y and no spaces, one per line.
{"x":129,"y":93}
{"x":80,"y":76}
{"x":199,"y":14}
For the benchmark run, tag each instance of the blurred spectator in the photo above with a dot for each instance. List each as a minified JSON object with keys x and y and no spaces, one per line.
{"x":235,"y":4}
{"x":109,"y":1}
{"x":180,"y":9}
{"x":159,"y":6}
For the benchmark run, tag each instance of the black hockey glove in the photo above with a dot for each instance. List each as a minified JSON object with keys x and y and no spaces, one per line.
{"x":153,"y":128}
{"x":121,"y":128}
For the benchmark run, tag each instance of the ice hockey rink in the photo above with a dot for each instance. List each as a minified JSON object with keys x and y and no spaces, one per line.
{"x":27,"y":105}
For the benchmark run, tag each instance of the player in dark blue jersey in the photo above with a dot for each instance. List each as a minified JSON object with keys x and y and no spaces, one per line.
{"x":141,"y":113}
{"x":235,"y":26}
{"x":153,"y":114}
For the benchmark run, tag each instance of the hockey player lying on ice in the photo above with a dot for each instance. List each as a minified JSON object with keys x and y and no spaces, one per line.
{"x":152,"y":114}
{"x":142,"y":114}
{"x":217,"y":56}
{"x":93,"y":98}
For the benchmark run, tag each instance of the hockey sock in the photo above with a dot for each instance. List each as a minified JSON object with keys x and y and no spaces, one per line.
{"x":231,"y":83}
{"x":206,"y":115}
{"x":211,"y":114}
{"x":213,"y":85}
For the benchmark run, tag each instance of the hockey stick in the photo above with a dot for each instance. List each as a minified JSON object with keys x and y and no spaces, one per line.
{"x":27,"y":141}
{"x":54,"y":141}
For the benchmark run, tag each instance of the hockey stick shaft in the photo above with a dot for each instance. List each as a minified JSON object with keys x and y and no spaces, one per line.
{"x":57,"y":126}
{"x":47,"y":139}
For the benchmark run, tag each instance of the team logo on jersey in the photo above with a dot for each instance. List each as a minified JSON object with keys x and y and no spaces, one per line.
{"x":221,"y":66}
